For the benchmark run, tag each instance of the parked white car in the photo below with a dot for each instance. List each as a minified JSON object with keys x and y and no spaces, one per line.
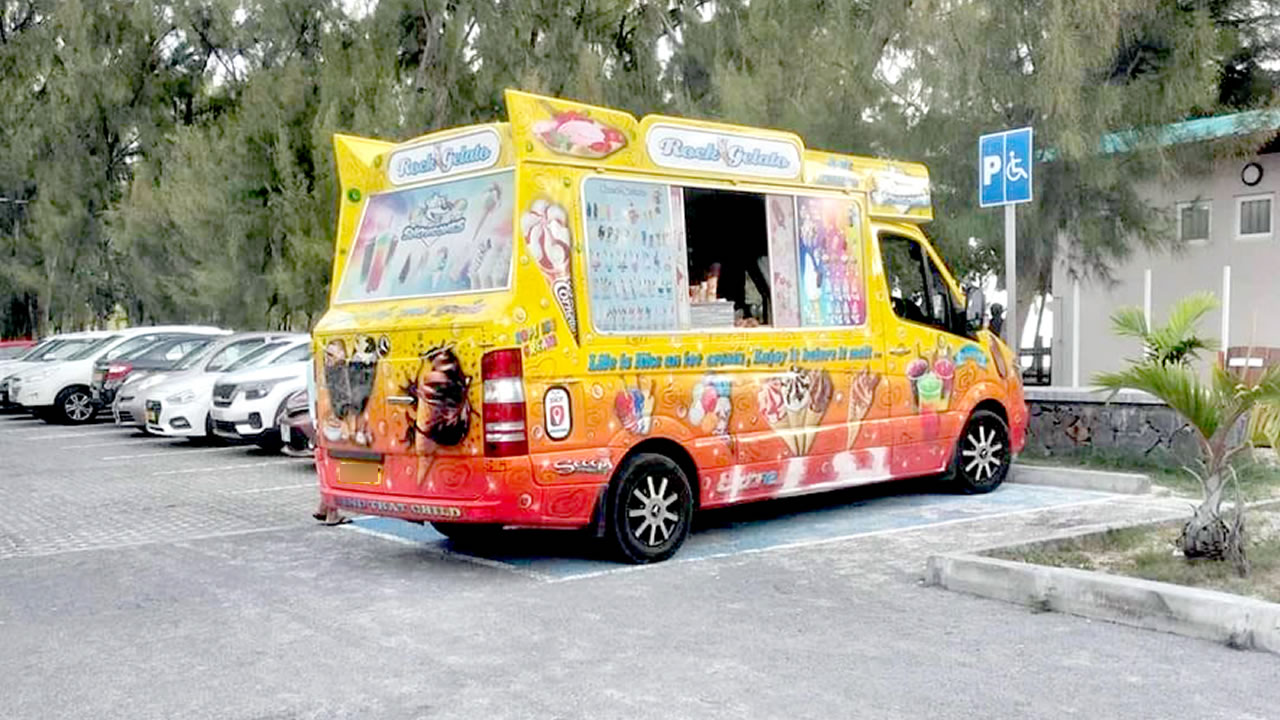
{"x":54,"y":348}
{"x":247,"y":404}
{"x":178,"y":405}
{"x":58,"y":391}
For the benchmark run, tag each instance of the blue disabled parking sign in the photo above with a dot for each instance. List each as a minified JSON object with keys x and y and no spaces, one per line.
{"x":1004,"y":168}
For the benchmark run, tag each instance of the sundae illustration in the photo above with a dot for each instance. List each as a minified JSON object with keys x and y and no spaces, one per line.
{"x":932,"y":380}
{"x":545,"y":227}
{"x":794,"y":404}
{"x":573,"y":133}
{"x":710,"y":407}
{"x":634,"y":407}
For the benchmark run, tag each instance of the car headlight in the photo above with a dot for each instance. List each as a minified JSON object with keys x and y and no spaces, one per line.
{"x":181,"y":398}
{"x":258,"y":390}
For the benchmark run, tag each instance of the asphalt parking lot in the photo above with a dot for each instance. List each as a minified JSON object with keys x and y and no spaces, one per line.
{"x":148,"y":578}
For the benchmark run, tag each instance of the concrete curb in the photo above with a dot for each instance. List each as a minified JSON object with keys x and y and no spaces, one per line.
{"x":1080,"y":479}
{"x":1237,"y":621}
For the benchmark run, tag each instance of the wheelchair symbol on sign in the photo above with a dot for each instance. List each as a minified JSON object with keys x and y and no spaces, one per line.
{"x":1014,"y":171}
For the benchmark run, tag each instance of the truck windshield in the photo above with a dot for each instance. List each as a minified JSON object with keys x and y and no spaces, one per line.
{"x":441,"y":239}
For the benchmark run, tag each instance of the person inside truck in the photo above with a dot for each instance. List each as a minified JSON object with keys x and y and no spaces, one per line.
{"x":728,"y":244}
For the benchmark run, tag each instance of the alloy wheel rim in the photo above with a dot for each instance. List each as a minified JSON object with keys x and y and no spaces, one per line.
{"x":77,"y":407}
{"x":983,"y":454}
{"x":650,"y":511}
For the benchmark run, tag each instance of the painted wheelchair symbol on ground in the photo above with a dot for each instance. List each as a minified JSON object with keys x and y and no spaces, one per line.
{"x":557,"y":555}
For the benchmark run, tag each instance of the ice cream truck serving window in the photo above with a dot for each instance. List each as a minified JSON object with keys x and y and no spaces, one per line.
{"x":658,"y":261}
{"x":445,"y":238}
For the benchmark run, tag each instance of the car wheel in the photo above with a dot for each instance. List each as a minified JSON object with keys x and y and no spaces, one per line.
{"x":982,"y":455}
{"x":650,"y":509}
{"x":468,"y":533}
{"x":74,"y":406}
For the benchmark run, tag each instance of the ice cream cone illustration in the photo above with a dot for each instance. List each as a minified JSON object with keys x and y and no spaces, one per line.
{"x":796,"y":394}
{"x":820,"y":392}
{"x":862,"y":395}
{"x":546,"y":233}
{"x":773,"y":409}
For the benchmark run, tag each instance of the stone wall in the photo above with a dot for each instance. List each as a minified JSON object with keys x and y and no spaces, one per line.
{"x":1133,"y":426}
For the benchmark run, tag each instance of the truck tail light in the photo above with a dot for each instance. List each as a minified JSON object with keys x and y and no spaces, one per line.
{"x":504,"y":427}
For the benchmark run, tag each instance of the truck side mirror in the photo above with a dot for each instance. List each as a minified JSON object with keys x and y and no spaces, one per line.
{"x":975,"y":307}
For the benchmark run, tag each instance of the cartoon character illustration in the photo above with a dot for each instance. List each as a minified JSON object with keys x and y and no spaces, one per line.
{"x":545,"y":227}
{"x":573,"y":133}
{"x":634,"y":406}
{"x":795,"y":404}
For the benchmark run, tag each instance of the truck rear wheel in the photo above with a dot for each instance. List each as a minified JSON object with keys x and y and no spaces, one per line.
{"x":650,"y":509}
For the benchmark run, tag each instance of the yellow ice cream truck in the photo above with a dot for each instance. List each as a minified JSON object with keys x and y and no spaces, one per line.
{"x":578,"y":319}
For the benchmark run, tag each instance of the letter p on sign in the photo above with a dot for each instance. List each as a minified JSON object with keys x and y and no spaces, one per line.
{"x":990,"y":168}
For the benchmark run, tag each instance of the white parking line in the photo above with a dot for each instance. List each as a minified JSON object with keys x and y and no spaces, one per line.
{"x":174,"y":451}
{"x":273,"y":489}
{"x":220,"y":468}
{"x":829,"y":540}
{"x":449,"y":554}
{"x":124,"y":438}
{"x":58,"y":436}
{"x":46,"y":427}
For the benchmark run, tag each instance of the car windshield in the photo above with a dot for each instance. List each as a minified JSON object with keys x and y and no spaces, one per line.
{"x":34,"y":352}
{"x":231,"y":353}
{"x":131,"y":346}
{"x":194,"y":357}
{"x":93,"y":347}
{"x":10,"y":353}
{"x":176,"y":349}
{"x":256,"y":357}
{"x":298,"y":353}
{"x":68,"y":348}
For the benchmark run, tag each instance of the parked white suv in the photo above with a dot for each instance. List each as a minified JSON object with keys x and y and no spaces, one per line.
{"x":59,"y":391}
{"x":247,"y":404}
{"x":53,"y":349}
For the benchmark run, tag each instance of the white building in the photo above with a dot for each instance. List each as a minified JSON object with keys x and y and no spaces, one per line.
{"x":1228,"y":244}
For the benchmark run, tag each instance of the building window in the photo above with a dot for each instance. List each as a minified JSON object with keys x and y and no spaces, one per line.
{"x":1253,"y":217}
{"x":1193,"y":222}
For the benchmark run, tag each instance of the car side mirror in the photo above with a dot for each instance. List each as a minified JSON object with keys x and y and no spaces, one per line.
{"x":975,"y":308}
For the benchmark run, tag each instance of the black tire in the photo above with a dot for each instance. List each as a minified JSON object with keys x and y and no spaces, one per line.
{"x":468,"y":533}
{"x":982,"y":455}
{"x":74,"y":406}
{"x":650,"y":509}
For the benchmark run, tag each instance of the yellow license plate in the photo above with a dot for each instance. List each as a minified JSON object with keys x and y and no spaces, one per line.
{"x":360,"y":473}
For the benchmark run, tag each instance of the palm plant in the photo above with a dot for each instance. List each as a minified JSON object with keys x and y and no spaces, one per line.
{"x":1213,"y":408}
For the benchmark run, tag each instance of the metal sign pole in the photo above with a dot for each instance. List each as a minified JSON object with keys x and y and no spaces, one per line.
{"x":1011,"y":335}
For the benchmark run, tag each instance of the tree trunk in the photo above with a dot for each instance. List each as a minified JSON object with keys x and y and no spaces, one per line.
{"x":1210,"y":536}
